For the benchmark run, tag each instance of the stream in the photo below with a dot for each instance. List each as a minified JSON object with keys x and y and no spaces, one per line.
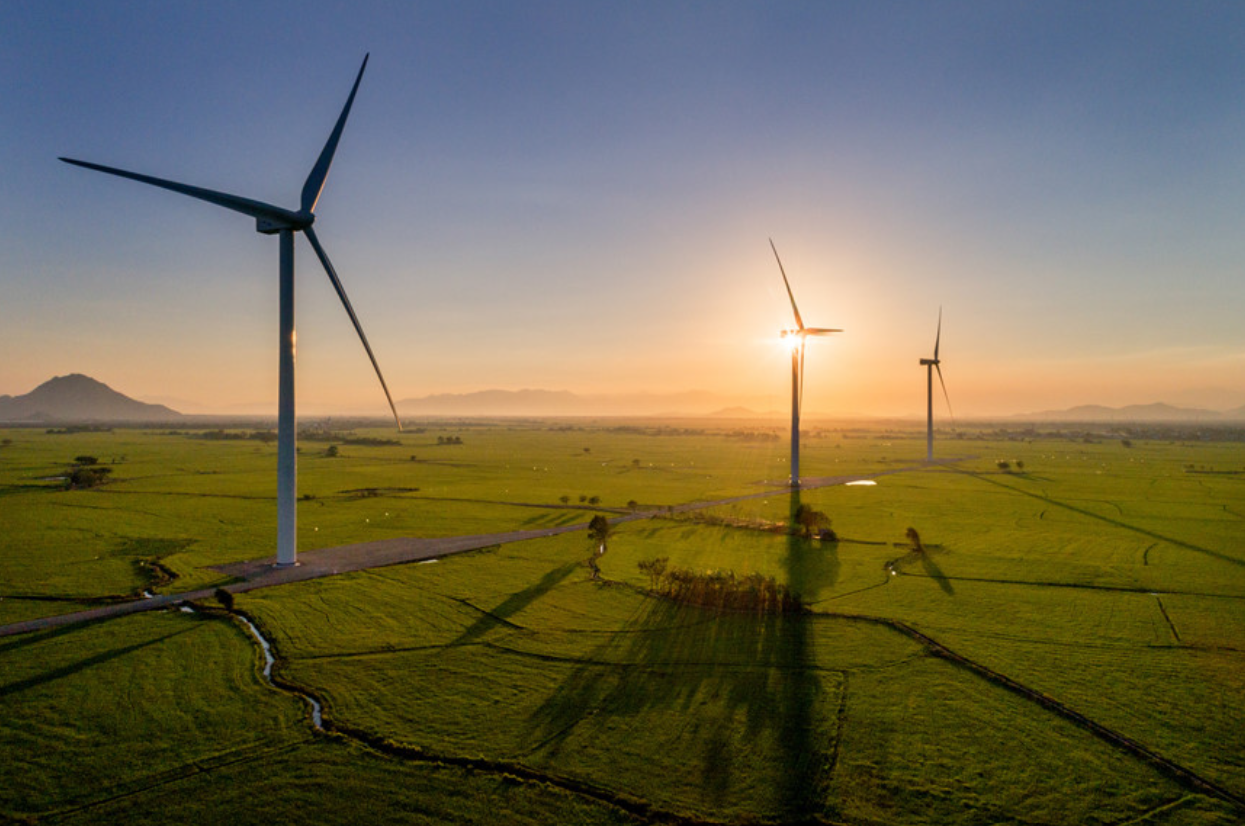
{"x":269,"y":660}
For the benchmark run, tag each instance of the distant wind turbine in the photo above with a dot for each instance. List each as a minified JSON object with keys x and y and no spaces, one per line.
{"x":274,"y":220}
{"x":797,"y":369}
{"x":930,"y":366}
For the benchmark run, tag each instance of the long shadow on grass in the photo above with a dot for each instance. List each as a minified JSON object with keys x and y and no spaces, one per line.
{"x":709,"y":708}
{"x":1116,"y":522}
{"x":81,"y":665}
{"x":935,"y":573}
{"x":513,"y":604}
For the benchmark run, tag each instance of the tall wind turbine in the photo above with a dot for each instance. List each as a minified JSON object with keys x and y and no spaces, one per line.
{"x":930,"y":366}
{"x":274,"y":220}
{"x":797,"y":369}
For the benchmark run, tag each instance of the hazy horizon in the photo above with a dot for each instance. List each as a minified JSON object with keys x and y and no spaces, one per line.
{"x":563,"y":197}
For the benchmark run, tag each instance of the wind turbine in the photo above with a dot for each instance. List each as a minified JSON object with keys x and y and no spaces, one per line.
{"x":797,"y":369}
{"x":274,"y":220}
{"x":930,"y":366}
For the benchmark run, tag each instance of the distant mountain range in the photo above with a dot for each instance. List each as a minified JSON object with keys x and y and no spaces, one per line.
{"x":78,"y":398}
{"x":1135,"y":413}
{"x":565,"y":403}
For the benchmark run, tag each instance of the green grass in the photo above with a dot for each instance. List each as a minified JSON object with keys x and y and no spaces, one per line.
{"x":93,"y":712}
{"x":1110,"y":579}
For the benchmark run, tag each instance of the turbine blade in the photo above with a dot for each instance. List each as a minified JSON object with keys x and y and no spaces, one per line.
{"x":945,"y":395}
{"x":320,"y":172}
{"x":819,"y":331}
{"x":255,"y":209}
{"x":938,"y":339}
{"x":341,"y":293}
{"x":798,"y":321}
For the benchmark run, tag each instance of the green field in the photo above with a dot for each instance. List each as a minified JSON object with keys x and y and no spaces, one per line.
{"x":1065,"y":649}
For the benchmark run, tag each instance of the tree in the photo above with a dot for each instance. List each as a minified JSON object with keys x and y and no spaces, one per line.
{"x":85,"y":460}
{"x":655,"y":568}
{"x":1004,"y":465}
{"x":594,"y":500}
{"x":810,"y":521}
{"x":564,"y":499}
{"x":1020,"y":465}
{"x":224,"y":598}
{"x":599,"y":530}
{"x":331,"y":451}
{"x":633,"y":505}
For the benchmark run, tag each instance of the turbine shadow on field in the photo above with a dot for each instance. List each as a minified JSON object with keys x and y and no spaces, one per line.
{"x":1180,"y":543}
{"x":513,"y":604}
{"x":935,"y":573}
{"x":810,"y":566}
{"x":733,"y":692}
{"x":82,"y":665}
{"x":738,"y":695}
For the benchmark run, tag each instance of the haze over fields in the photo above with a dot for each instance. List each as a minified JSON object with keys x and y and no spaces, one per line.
{"x":577,"y":198}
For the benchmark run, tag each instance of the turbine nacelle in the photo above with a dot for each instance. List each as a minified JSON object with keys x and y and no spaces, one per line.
{"x":278,"y":219}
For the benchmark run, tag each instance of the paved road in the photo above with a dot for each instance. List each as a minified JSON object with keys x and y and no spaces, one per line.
{"x":262,"y":573}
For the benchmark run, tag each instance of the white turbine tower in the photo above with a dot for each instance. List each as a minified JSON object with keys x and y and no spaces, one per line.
{"x":797,"y":369}
{"x":274,"y":220}
{"x":930,"y":366}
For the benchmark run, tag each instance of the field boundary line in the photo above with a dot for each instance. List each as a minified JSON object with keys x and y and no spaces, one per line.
{"x":1184,"y":776}
{"x":1180,"y":543}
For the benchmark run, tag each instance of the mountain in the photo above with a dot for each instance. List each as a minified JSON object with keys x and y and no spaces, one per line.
{"x":1135,"y":413}
{"x":78,"y":398}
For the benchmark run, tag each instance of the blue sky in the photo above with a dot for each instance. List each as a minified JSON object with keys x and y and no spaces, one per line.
{"x":578,"y":196}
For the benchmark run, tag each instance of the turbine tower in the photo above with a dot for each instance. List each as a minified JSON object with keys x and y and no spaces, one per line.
{"x":930,"y":366}
{"x":797,"y":368}
{"x":274,"y":220}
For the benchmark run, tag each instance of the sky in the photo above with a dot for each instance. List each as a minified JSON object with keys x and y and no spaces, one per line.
{"x":580,"y":196}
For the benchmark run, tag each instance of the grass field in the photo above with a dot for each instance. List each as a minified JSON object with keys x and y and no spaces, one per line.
{"x":1066,"y":649}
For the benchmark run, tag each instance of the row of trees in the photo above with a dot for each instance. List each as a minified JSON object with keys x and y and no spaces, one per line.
{"x":583,"y":499}
{"x":720,"y":590}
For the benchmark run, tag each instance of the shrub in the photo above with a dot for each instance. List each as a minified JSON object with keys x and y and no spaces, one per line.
{"x":86,"y":477}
